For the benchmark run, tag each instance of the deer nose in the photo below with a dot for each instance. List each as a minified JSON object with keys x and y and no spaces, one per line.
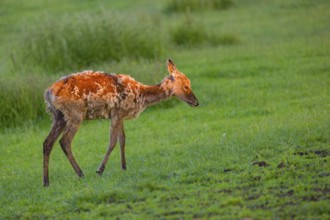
{"x":194,"y":103}
{"x":193,"y":100}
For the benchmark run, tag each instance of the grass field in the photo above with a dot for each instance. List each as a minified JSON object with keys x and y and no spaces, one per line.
{"x":257,"y":147}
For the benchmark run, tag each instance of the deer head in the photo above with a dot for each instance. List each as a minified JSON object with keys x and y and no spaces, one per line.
{"x":181,"y":85}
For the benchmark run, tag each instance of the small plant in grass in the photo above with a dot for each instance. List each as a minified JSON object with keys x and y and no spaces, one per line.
{"x":197,"y":5}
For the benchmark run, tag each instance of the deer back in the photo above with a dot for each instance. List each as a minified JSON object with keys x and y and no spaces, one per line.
{"x":91,"y":95}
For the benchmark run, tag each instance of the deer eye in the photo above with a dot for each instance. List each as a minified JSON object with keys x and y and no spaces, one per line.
{"x":185,"y":88}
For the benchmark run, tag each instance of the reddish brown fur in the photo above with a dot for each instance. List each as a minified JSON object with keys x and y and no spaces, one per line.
{"x":92,"y":95}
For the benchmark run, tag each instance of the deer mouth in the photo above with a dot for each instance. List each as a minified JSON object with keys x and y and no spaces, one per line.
{"x":193,"y":103}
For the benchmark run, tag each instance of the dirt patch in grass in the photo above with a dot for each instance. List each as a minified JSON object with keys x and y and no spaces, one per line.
{"x":320,"y":153}
{"x":261,"y":163}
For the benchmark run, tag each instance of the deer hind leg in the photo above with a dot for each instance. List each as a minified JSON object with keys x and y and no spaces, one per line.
{"x":65,"y":142}
{"x":121,"y":138}
{"x":56,"y":130}
{"x":114,"y":130}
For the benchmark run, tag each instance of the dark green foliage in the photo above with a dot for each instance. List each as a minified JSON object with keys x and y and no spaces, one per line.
{"x":192,"y":33}
{"x":197,"y":5}
{"x":189,"y":33}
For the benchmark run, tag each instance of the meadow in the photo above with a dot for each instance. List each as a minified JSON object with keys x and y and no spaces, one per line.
{"x":257,"y":147}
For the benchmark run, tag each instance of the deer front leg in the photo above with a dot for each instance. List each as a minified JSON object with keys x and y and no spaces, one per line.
{"x":121,"y":138}
{"x":114,"y":130}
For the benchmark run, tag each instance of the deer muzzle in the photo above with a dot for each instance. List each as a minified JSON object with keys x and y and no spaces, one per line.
{"x":192,"y":100}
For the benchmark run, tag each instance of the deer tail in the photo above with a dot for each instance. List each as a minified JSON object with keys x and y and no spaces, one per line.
{"x":49,"y":98}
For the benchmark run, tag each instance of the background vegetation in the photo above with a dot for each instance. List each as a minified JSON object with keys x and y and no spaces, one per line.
{"x":256,"y":148}
{"x":85,"y":39}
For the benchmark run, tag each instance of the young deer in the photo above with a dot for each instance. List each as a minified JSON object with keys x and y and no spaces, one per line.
{"x":92,"y":95}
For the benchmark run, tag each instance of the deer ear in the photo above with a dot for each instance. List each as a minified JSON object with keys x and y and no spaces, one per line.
{"x":170,"y":66}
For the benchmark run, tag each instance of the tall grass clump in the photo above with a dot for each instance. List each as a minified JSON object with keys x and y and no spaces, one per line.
{"x":197,"y":5}
{"x":21,"y":101}
{"x":87,"y":38}
{"x":190,"y":33}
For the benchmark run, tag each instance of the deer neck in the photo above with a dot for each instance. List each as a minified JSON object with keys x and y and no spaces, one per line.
{"x":158,"y":93}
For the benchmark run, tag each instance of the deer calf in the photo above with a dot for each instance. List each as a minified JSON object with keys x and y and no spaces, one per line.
{"x":93,"y":95}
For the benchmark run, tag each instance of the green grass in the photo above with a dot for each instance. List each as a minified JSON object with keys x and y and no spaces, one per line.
{"x":257,"y":147}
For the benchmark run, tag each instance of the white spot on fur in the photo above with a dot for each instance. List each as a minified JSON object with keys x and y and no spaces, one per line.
{"x":75,"y":91}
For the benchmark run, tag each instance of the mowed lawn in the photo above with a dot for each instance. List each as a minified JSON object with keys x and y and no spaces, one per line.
{"x":257,"y":147}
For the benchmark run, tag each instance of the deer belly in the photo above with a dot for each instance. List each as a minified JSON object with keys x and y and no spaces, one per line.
{"x":98,"y":110}
{"x":133,"y":113}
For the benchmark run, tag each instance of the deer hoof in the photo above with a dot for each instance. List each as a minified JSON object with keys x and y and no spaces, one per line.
{"x":100,"y":170}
